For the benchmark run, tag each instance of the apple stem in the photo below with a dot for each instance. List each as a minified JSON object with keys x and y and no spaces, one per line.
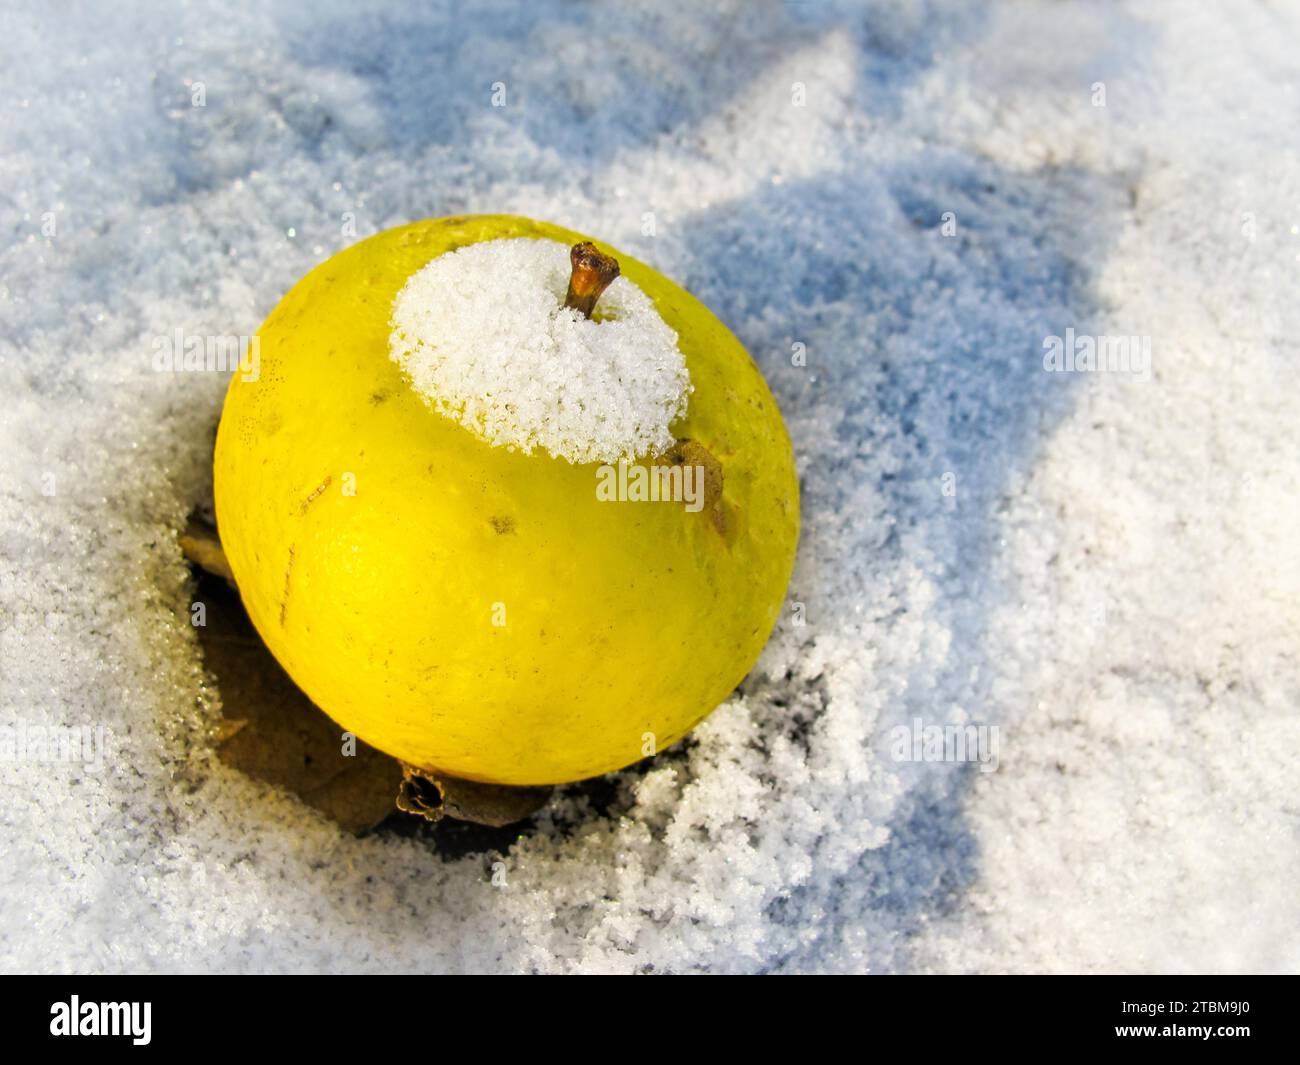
{"x":593,"y":271}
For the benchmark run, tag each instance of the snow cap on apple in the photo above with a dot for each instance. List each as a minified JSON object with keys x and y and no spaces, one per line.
{"x":504,"y":336}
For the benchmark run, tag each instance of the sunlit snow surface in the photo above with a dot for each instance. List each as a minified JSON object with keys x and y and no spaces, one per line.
{"x":1109,"y":574}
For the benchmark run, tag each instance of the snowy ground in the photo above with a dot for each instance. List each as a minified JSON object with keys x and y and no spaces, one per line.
{"x":1103,"y":565}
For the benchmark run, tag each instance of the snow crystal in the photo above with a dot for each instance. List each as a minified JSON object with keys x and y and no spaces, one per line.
{"x":485,"y":337}
{"x":893,"y":206}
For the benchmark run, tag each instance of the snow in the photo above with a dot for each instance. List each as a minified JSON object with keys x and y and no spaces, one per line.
{"x":483,"y":334}
{"x":894,"y":207}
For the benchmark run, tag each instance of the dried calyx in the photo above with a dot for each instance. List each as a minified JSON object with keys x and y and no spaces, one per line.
{"x":434,"y":795}
{"x":593,"y":271}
